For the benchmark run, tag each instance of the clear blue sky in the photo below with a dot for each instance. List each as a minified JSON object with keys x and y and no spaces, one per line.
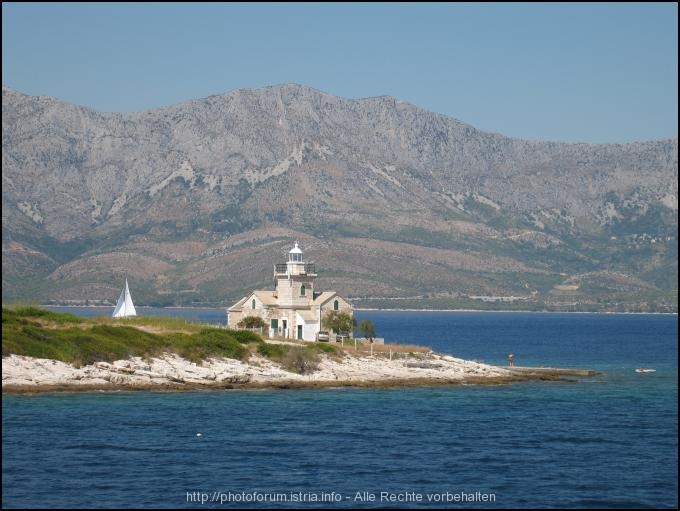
{"x":565,"y":72}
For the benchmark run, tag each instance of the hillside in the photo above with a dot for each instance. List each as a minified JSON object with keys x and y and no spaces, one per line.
{"x":398,"y":206}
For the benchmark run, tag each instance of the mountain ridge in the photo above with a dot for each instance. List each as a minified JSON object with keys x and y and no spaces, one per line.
{"x":77,"y":183}
{"x":386,"y":97}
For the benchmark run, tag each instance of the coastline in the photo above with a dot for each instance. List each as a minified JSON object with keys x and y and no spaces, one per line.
{"x":527,"y":311}
{"x":372,"y":309}
{"x":27,"y":375}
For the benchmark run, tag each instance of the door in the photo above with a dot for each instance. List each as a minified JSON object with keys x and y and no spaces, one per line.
{"x":299,"y":332}
{"x":274,"y":327}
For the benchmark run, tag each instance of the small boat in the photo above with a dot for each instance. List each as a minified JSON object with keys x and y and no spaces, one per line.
{"x":124,"y":308}
{"x":645,"y":370}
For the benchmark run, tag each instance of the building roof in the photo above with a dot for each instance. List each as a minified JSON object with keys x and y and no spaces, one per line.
{"x":295,"y":249}
{"x":266,"y":297}
{"x":308,"y":316}
{"x":238,"y":304}
{"x":324,"y":297}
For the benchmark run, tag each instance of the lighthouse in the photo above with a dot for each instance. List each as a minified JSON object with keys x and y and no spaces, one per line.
{"x":294,"y":280}
{"x":294,"y":309}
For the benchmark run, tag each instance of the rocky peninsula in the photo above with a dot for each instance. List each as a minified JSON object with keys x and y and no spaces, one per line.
{"x":45,"y":351}
{"x":21,"y":374}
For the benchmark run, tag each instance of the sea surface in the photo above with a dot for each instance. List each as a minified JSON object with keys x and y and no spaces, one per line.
{"x":609,"y":441}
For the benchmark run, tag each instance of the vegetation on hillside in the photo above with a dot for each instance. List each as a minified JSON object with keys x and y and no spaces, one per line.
{"x":35,"y":332}
{"x":476,"y":220}
{"x":39,"y":333}
{"x":298,"y":359}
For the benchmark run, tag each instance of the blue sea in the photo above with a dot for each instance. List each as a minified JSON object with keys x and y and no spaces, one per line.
{"x":609,"y":441}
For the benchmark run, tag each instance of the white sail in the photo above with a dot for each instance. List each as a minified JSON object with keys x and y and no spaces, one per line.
{"x":124,"y":307}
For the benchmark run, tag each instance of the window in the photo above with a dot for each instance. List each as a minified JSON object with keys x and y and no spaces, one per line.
{"x":252,"y":304}
{"x":302,"y":290}
{"x":336,"y":305}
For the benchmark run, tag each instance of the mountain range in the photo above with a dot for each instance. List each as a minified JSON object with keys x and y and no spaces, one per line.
{"x":398,"y":207}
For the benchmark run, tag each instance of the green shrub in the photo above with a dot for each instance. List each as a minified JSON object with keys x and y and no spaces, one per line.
{"x":208,"y":343}
{"x":252,"y":322}
{"x":29,"y":315}
{"x":214,"y":335}
{"x":273,"y":351}
{"x":301,"y":360}
{"x":246,"y":336}
{"x":322,"y":347}
{"x":55,"y":317}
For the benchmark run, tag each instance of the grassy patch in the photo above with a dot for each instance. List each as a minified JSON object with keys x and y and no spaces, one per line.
{"x":322,"y":348}
{"x":76,"y":345}
{"x":34,"y":332}
{"x":23,"y":313}
{"x":302,"y":359}
{"x":273,"y":351}
{"x":246,"y":336}
{"x":365,"y":348}
{"x":208,"y":344}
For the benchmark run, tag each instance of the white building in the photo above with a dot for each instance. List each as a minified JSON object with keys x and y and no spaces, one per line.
{"x":293,"y":309}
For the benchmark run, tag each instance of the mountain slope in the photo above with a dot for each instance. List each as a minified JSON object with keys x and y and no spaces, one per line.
{"x":397,"y":205}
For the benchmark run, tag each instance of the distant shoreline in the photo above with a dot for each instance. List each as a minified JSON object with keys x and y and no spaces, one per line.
{"x":513,"y":311}
{"x":372,"y":309}
{"x":136,"y":306}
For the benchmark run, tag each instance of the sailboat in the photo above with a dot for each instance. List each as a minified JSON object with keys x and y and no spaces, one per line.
{"x":124,"y":307}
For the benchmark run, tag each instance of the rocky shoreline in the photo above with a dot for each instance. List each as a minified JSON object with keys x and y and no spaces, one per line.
{"x":22,"y":374}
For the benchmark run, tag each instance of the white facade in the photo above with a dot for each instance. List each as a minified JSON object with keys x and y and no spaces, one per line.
{"x":293,"y":310}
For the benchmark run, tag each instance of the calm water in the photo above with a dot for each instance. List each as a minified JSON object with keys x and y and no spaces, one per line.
{"x":608,"y":441}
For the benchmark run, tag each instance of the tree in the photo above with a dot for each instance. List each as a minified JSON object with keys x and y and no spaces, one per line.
{"x":339,"y":321}
{"x":251,"y":322}
{"x":367,"y":329}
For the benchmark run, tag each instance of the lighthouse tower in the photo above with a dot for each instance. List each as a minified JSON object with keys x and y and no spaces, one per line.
{"x":293,"y":310}
{"x":294,"y":280}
